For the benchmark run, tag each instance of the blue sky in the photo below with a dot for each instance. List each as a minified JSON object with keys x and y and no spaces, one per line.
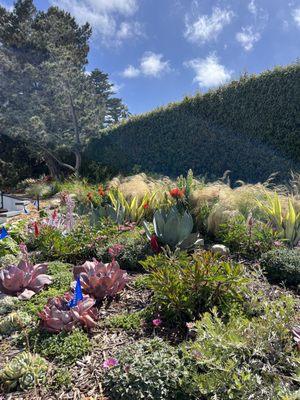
{"x":158,"y":51}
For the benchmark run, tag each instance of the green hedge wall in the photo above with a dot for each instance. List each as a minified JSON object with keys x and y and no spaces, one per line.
{"x":250,"y":126}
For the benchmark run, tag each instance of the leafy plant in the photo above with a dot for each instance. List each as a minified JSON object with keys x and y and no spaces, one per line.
{"x":247,"y":239}
{"x":26,"y":370}
{"x":134,"y":209}
{"x":101,"y":280}
{"x":149,"y":369}
{"x":174,"y":228}
{"x":186,"y":285}
{"x":24,"y":279}
{"x":242,"y":359}
{"x":286,"y":224}
{"x":64,"y":348}
{"x":13,"y":322}
{"x":57,"y":316}
{"x":8,"y":246}
{"x":282,"y":266}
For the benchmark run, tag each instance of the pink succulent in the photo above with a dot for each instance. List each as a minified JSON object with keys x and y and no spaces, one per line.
{"x":24,"y":280}
{"x":57,"y":316}
{"x":110,"y":363}
{"x":101,"y":280}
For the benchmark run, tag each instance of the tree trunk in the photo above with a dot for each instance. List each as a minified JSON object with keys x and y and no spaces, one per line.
{"x":78,"y":162}
{"x":53,"y":166}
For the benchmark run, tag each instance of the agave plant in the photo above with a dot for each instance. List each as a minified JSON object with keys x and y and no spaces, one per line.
{"x":26,"y":371}
{"x":101,"y":280}
{"x":174,"y":228}
{"x":24,"y":280}
{"x":58,"y":316}
{"x":287,"y":225}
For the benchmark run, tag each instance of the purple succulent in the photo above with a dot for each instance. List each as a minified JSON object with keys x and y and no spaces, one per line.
{"x":24,"y":280}
{"x":58,"y":316}
{"x":101,"y":280}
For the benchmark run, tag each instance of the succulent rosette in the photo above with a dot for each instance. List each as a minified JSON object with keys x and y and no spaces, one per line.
{"x":101,"y":280}
{"x":24,"y":280}
{"x":57,"y":316}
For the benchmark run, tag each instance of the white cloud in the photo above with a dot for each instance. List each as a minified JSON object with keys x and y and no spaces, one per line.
{"x":131,"y":72}
{"x":296,"y":16}
{"x":247,"y":37}
{"x":205,"y":28}
{"x":108,"y":18}
{"x":252,"y":7}
{"x":209,"y":72}
{"x":151,"y":64}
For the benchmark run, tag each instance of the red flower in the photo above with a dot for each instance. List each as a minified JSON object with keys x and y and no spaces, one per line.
{"x":101,"y":191}
{"x":177,"y":193}
{"x":54,"y":215}
{"x":155,"y":246}
{"x":36,"y":229}
{"x":146,"y":206}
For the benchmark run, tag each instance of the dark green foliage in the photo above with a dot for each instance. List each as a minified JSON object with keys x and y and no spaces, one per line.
{"x":150,"y":369}
{"x":250,"y":127}
{"x":185,"y":286}
{"x":247,"y":242}
{"x":64,"y":348}
{"x":282,"y":265}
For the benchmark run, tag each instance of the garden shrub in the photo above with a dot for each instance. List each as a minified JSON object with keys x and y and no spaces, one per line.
{"x":185,"y":285}
{"x":282,"y":265}
{"x":127,"y":322}
{"x":78,"y":246}
{"x":149,"y":369}
{"x":247,"y":241}
{"x":8,"y":246}
{"x":246,"y":359}
{"x":249,"y":127}
{"x":63,"y":348}
{"x":136,"y":247}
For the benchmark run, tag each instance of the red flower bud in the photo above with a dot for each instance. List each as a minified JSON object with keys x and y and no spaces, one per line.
{"x":155,"y":246}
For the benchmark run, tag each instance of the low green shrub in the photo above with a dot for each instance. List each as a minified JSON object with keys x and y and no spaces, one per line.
{"x":127,"y":322}
{"x":14,"y":322}
{"x":282,"y":265}
{"x":246,"y":359}
{"x":149,"y":369}
{"x":8,"y":246}
{"x":75,"y":247}
{"x":63,"y":348}
{"x":185,"y":285}
{"x":247,"y":241}
{"x":135,"y":247}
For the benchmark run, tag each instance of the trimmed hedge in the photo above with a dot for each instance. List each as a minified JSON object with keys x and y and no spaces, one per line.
{"x":250,"y":126}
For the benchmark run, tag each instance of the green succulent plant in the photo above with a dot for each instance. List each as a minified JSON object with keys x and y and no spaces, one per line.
{"x":8,"y":304}
{"x":24,"y":371}
{"x":13,"y":322}
{"x":174,"y":228}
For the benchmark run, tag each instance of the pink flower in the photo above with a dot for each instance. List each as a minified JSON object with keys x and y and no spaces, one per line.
{"x":157,"y":322}
{"x":278,"y":243}
{"x":110,"y":363}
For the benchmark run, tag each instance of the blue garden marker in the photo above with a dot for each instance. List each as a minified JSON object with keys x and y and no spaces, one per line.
{"x":35,"y":203}
{"x":26,"y":211}
{"x":3,"y":233}
{"x":77,"y":295}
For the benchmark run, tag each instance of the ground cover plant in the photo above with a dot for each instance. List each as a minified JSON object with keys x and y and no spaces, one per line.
{"x":146,"y":305}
